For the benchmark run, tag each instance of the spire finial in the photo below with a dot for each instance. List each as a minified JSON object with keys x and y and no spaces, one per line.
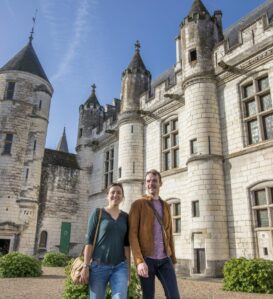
{"x":137,"y":46}
{"x":93,"y":87}
{"x":32,"y":29}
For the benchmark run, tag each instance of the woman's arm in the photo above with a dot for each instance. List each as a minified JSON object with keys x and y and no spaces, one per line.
{"x":87,"y":258}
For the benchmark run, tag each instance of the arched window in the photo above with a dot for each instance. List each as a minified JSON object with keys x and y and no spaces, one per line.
{"x":261,"y":196}
{"x":176,"y":214}
{"x":43,"y":239}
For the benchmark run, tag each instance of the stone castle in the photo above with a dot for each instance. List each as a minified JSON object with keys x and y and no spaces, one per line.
{"x":206,"y":124}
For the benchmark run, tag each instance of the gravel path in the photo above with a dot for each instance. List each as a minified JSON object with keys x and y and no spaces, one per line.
{"x":50,"y":286}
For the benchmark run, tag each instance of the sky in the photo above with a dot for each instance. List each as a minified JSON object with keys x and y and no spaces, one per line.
{"x":81,"y":42}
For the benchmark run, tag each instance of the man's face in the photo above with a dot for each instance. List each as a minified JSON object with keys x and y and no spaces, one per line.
{"x":153,"y":184}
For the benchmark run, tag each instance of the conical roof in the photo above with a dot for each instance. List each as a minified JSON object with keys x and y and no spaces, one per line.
{"x":62,"y":145}
{"x":27,"y":61}
{"x":92,"y":100}
{"x":137,"y":63}
{"x":197,"y":8}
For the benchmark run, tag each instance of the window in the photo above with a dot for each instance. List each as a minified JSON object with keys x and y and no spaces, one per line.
{"x":40,"y":105}
{"x":10,"y":90}
{"x":195,"y":209}
{"x":27,"y":173}
{"x":262,"y":207}
{"x":34,"y":145}
{"x":80,"y":132}
{"x":43,"y":239}
{"x":257,"y":110}
{"x":193,"y":146}
{"x":193,"y":55}
{"x":176,"y":215}
{"x":108,"y":167}
{"x":170,"y":142}
{"x":7,"y":144}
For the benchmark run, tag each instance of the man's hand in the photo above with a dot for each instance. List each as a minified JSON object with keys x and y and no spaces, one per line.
{"x":142,"y":270}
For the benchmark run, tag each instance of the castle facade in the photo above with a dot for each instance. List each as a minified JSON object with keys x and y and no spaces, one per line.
{"x":206,"y":124}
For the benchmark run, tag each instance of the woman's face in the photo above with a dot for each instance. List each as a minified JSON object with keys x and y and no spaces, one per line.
{"x":114,"y":196}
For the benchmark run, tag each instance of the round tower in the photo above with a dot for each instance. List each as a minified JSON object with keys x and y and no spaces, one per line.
{"x":91,"y":117}
{"x":135,"y":80}
{"x":25,"y":96}
{"x":209,"y":239}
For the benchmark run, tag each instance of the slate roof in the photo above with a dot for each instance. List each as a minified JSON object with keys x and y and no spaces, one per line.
{"x":92,"y":100}
{"x":27,"y":61}
{"x":137,"y":63}
{"x":53,"y":157}
{"x":62,"y":145}
{"x":197,"y":8}
{"x":232,"y":33}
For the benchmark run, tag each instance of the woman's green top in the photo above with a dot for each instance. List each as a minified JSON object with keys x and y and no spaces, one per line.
{"x":112,"y":237}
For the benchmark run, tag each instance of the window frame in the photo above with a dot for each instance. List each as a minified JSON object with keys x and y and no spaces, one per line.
{"x":260,"y":132}
{"x":173,"y":202}
{"x":195,"y":209}
{"x":257,"y":206}
{"x":108,"y":171}
{"x":170,"y":144}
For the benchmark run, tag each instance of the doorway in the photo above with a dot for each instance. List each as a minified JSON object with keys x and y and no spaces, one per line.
{"x":199,"y":260}
{"x":4,"y":246}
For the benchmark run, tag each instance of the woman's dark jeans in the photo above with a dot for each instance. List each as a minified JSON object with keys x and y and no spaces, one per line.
{"x":164,"y":271}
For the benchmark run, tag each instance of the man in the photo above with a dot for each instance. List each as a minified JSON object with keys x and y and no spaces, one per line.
{"x":151,"y":240}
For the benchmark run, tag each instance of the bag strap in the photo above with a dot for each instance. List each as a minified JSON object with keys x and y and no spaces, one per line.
{"x":96,"y":234}
{"x":158,"y":217}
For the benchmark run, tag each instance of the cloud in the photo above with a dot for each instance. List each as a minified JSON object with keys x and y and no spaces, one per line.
{"x":80,"y":29}
{"x":10,"y":9}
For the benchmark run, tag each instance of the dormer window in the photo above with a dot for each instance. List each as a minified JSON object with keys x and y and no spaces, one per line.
{"x":10,"y":90}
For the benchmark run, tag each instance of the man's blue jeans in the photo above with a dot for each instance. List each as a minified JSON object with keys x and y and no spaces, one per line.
{"x":164,"y":271}
{"x":101,"y":274}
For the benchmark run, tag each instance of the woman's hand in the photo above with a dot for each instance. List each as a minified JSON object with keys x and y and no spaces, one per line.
{"x":85,"y":275}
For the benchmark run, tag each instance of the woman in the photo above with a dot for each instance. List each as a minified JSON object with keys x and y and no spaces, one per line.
{"x":111,"y":255}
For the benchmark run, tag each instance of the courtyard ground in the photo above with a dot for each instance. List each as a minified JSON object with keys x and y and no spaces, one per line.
{"x":50,"y":286}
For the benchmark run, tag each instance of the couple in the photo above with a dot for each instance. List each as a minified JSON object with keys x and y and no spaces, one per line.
{"x":149,"y":235}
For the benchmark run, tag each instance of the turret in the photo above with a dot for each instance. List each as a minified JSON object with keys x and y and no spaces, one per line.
{"x":25,"y":96}
{"x":91,"y":116}
{"x":200,"y":33}
{"x":209,"y":238}
{"x":135,"y":80}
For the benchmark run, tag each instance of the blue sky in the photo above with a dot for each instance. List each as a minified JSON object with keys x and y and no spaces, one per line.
{"x":81,"y":42}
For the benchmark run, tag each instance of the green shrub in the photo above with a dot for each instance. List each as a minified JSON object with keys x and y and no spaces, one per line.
{"x":55,"y":259}
{"x":252,"y":276}
{"x":72,"y":291}
{"x":16,"y":264}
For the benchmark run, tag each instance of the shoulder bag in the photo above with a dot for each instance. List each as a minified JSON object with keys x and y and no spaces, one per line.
{"x":78,"y":263}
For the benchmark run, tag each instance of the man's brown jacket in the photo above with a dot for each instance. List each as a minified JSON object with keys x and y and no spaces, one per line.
{"x":141,"y":230}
